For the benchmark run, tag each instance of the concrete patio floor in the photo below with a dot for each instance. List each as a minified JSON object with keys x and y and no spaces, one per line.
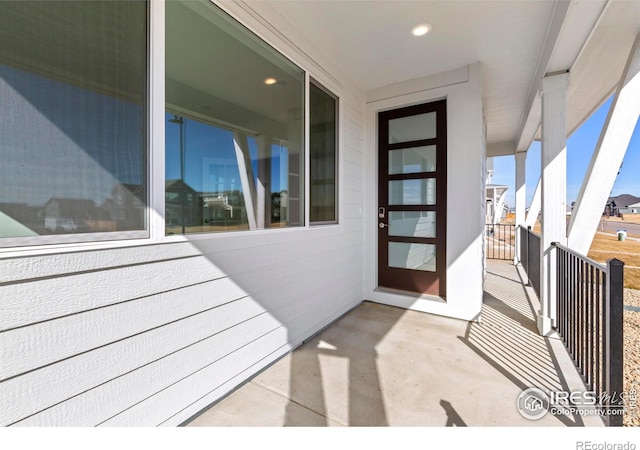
{"x":385,"y":366}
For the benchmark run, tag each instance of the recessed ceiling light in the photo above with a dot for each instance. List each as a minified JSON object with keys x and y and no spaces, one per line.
{"x":270,"y":81}
{"x":421,"y":30}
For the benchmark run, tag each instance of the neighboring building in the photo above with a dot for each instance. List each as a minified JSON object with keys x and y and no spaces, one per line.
{"x":621,"y":204}
{"x":223,"y":208}
{"x":70,"y":215}
{"x":141,"y":311}
{"x":182,"y":205}
{"x":126,"y":207}
{"x":632,"y":209}
{"x":496,"y":207}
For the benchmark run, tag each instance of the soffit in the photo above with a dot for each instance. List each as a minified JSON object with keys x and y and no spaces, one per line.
{"x":596,"y":73}
{"x":371,"y":42}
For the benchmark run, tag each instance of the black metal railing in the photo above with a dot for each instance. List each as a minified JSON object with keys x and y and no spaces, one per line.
{"x":530,"y":257}
{"x":589,"y":321}
{"x":500,"y":241}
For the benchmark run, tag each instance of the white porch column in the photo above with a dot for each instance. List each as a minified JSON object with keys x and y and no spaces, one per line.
{"x":534,"y":207}
{"x":553,"y":189}
{"x":263,"y":186}
{"x":499,"y":202}
{"x":246,"y":177}
{"x":608,"y":155}
{"x":521,"y":158}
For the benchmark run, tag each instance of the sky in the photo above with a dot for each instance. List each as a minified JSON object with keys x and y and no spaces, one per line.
{"x":210,"y":158}
{"x":580,"y":147}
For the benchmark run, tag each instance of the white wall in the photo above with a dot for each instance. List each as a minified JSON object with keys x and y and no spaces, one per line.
{"x":465,"y":189}
{"x":149,"y":332}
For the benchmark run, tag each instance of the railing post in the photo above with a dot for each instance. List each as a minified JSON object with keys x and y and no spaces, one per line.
{"x":614,"y":370}
{"x":516,"y":243}
{"x":547,"y":289}
{"x":528,"y":256}
{"x":553,"y":284}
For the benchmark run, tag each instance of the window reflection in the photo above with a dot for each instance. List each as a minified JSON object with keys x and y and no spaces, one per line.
{"x":234,"y":144}
{"x":220,"y":180}
{"x":73,"y":121}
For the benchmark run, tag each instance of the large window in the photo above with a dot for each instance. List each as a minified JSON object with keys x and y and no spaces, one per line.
{"x":74,"y":120}
{"x":234,"y":126}
{"x":73,"y":88}
{"x":323,"y":146}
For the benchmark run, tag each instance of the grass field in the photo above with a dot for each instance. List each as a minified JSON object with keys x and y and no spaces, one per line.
{"x":606,"y":246}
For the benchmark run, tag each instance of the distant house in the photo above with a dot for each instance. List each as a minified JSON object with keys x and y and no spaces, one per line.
{"x":631,"y":209}
{"x":181,"y":211}
{"x":622,"y":204}
{"x":223,"y":207}
{"x":128,"y":198}
{"x":69,"y":214}
{"x":496,"y":208}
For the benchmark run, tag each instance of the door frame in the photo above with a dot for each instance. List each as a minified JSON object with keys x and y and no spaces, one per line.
{"x":410,"y":280}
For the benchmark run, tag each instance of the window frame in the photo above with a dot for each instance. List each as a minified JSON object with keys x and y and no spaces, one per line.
{"x":336,"y":164}
{"x":9,"y":244}
{"x":155,"y":109}
{"x":303,"y":187}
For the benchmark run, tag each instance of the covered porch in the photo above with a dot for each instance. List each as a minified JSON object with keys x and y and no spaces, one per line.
{"x":380,"y":365}
{"x":152,"y":327}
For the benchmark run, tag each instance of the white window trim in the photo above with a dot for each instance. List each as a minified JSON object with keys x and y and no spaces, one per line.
{"x":337,"y":160}
{"x":156,"y":214}
{"x":10,"y":246}
{"x":155,"y":232}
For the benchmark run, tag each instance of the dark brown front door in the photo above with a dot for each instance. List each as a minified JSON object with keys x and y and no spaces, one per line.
{"x":412,"y":198}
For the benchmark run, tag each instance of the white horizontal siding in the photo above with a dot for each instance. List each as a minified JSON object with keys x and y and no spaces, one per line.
{"x":45,"y":266}
{"x":109,"y":399}
{"x":47,"y":299}
{"x":83,"y":357}
{"x":32,"y":347}
{"x":51,"y":385}
{"x":210,"y":396}
{"x":150,"y":334}
{"x":152,"y":412}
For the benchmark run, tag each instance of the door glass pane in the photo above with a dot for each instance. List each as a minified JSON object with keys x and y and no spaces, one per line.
{"x":403,"y":255}
{"x":412,"y":192}
{"x":412,"y":160}
{"x":412,"y":128}
{"x":412,"y":223}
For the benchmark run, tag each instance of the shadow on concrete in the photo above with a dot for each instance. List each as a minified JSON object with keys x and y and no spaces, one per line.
{"x":348,"y":349}
{"x":453,"y":418}
{"x":508,"y":340}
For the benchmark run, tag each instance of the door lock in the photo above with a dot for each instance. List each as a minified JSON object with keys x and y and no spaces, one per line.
{"x":381,"y":212}
{"x":382,"y":225}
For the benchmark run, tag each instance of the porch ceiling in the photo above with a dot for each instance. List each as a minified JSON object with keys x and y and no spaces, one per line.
{"x":517,"y":42}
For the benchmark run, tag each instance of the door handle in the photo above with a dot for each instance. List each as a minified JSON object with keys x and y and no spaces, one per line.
{"x":382,"y":225}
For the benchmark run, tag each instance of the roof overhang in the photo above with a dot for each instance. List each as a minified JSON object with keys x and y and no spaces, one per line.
{"x":516,"y":42}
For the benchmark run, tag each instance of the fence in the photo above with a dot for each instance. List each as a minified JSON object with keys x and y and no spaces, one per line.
{"x":500,"y":242}
{"x":530,"y":257}
{"x":589,"y":321}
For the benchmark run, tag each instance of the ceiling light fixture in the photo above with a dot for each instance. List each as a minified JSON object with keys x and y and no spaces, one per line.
{"x":421,"y":30}
{"x":270,"y":81}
